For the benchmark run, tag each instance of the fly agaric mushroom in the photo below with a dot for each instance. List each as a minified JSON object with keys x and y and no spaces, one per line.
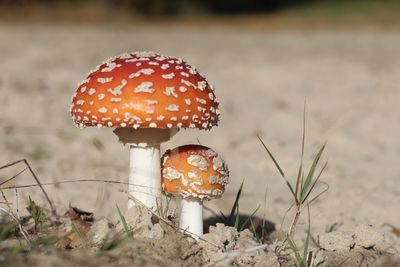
{"x":147,"y":97}
{"x":196,"y":173}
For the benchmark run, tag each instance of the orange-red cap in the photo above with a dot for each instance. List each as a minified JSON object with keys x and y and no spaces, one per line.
{"x":145,"y":90}
{"x":194,"y":171}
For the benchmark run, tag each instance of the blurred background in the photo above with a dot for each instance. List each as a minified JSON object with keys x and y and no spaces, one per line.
{"x":265,"y":58}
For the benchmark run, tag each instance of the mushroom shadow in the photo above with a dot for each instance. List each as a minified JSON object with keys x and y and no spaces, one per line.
{"x":257,"y":224}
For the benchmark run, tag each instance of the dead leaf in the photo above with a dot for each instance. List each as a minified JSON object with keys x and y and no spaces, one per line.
{"x":81,"y":222}
{"x":395,"y":230}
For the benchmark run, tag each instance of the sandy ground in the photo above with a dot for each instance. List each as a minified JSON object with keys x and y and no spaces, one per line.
{"x":350,"y":79}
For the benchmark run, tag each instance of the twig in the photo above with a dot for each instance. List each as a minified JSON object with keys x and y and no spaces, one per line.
{"x":23,"y":232}
{"x":53,"y":210}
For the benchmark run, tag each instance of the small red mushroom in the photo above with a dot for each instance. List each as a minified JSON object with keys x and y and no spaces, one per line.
{"x":195,"y":173}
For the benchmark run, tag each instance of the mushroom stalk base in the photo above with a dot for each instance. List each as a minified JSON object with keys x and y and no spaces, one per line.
{"x":144,"y":175}
{"x":191,"y":219}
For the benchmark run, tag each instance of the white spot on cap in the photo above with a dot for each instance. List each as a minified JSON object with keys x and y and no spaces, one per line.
{"x":116,"y":99}
{"x":147,"y":71}
{"x":174,"y":118}
{"x":80,"y":102}
{"x":182,"y":89}
{"x":154,"y":63}
{"x":153,"y":125}
{"x":202,"y":85}
{"x":115,"y":110}
{"x":91,"y":103}
{"x":188,"y":101}
{"x":144,"y":87}
{"x":161,"y":58}
{"x":170,"y":90}
{"x":92,"y":91}
{"x":168,"y":76}
{"x":187,"y":83}
{"x":192,"y":70}
{"x":123,"y":124}
{"x":83,"y":89}
{"x":125,"y":56}
{"x":152,"y":102}
{"x":144,"y":54}
{"x":102,"y":110}
{"x":192,"y":174}
{"x":170,"y":174}
{"x":201,"y":100}
{"x":110,"y":66}
{"x":185,"y":118}
{"x":169,"y":125}
{"x":150,"y":111}
{"x":101,"y":96}
{"x":138,"y":64}
{"x":165,"y":66}
{"x":148,"y":119}
{"x":117,"y":90}
{"x":198,"y":161}
{"x":184,"y":74}
{"x":172,"y":107}
{"x":110,"y":123}
{"x":160,"y":118}
{"x":104,"y":80}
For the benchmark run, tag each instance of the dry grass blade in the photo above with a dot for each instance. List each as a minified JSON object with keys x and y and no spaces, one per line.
{"x":13,"y":177}
{"x":53,"y":210}
{"x":277,"y":166}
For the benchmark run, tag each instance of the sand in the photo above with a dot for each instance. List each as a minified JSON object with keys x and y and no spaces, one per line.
{"x":349,"y":79}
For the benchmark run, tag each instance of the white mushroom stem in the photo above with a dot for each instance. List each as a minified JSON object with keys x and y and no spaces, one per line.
{"x":144,"y":163}
{"x":191,"y":219}
{"x":144,"y":175}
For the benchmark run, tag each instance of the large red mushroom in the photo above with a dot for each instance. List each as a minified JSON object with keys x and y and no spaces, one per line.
{"x":147,"y":98}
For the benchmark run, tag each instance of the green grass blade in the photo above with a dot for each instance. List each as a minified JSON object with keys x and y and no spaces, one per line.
{"x":302,"y":152}
{"x":253,"y":228}
{"x":264,"y":215}
{"x":295,"y":250}
{"x":277,"y":166}
{"x":306,"y":186}
{"x":225,"y":219}
{"x":248,"y":219}
{"x":315,"y":181}
{"x":237,"y":217}
{"x":235,"y":204}
{"x":124,"y":224}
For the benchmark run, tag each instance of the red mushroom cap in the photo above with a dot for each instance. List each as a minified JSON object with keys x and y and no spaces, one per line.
{"x":146,"y":90}
{"x":194,"y":171}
